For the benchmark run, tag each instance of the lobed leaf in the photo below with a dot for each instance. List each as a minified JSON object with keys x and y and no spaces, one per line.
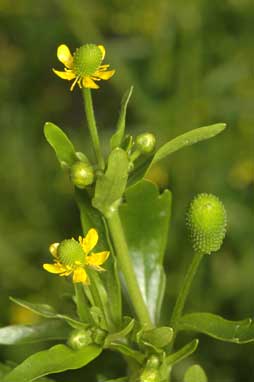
{"x":45,"y":331}
{"x":217,"y":327}
{"x":61,"y":144}
{"x":145,"y":217}
{"x":118,"y":136}
{"x":57,"y":359}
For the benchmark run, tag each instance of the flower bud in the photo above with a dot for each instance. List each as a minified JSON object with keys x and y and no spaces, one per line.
{"x":82,"y":174}
{"x":80,"y":338}
{"x":99,"y":336}
{"x":86,"y":60}
{"x":150,"y":375}
{"x":206,"y":221}
{"x":145,"y":143}
{"x":70,"y":252}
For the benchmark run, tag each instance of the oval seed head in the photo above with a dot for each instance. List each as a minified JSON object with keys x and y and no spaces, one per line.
{"x":145,"y":142}
{"x":86,"y":60}
{"x":80,"y":338}
{"x":206,"y":221}
{"x":82,"y":174}
{"x":70,"y":252}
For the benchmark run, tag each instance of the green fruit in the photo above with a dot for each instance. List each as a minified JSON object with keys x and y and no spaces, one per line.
{"x":82,"y":174}
{"x":206,"y":221}
{"x":145,"y":143}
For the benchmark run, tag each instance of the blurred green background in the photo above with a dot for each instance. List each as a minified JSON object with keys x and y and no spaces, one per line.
{"x":191,"y":63}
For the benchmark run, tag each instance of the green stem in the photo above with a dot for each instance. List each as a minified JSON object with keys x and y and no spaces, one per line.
{"x":118,"y":237}
{"x":82,"y":308}
{"x":184,"y":291}
{"x":88,"y":103}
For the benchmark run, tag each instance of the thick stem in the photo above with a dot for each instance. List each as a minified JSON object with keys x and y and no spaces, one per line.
{"x":118,"y":237}
{"x":184,"y":290}
{"x":82,"y":308}
{"x":88,"y":103}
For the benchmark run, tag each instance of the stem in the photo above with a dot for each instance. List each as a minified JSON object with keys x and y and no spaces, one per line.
{"x":88,"y":103}
{"x":82,"y":308}
{"x":184,"y":291}
{"x":118,"y":237}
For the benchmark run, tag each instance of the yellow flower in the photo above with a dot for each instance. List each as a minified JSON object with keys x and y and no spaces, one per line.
{"x":84,"y":67}
{"x":72,"y":257}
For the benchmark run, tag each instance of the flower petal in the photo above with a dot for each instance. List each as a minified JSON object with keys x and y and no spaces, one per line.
{"x":53,"y":249}
{"x":87,"y":82}
{"x":96,"y":259}
{"x":104,"y":75}
{"x":64,"y":75}
{"x":64,"y":55}
{"x":103,"y":50}
{"x":90,"y":241}
{"x":55,"y":268}
{"x":80,"y":276}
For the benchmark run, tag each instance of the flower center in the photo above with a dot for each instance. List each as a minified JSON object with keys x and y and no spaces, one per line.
{"x":70,"y":252}
{"x":86,"y":60}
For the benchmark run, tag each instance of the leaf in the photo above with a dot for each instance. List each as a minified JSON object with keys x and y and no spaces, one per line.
{"x":118,"y":136}
{"x":142,"y":165}
{"x":128,"y":326}
{"x":91,"y":218}
{"x":239,"y":332}
{"x":188,"y":139}
{"x":158,"y":337}
{"x":4,"y":369}
{"x":48,"y":311}
{"x":184,"y":352}
{"x":195,"y":373}
{"x":111,"y":185}
{"x":61,"y":144}
{"x":44,"y":331}
{"x":128,"y":352}
{"x":54,"y":360}
{"x":145,"y":217}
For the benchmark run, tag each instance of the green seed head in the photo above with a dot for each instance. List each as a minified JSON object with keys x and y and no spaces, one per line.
{"x":86,"y":60}
{"x":80,"y":338}
{"x":82,"y":174}
{"x":146,"y":142}
{"x":206,"y":221}
{"x":70,"y":252}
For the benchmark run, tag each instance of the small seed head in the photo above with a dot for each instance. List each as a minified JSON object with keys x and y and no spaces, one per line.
{"x":82,"y":174}
{"x":86,"y":60}
{"x":206,"y":221}
{"x":70,"y":252}
{"x":145,"y":142}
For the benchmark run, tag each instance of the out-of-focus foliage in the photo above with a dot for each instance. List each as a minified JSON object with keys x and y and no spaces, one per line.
{"x":190,"y":64}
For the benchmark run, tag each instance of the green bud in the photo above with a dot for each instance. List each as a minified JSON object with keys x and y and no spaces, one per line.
{"x":70,"y":252}
{"x":145,"y":143}
{"x":206,"y":221}
{"x":153,"y":362}
{"x":80,"y":338}
{"x":86,"y":60}
{"x":99,"y":336}
{"x":82,"y":174}
{"x":150,"y":375}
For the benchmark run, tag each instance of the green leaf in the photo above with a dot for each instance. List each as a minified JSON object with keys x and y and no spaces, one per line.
{"x":118,"y":136}
{"x":188,"y":139}
{"x":128,"y":352}
{"x":127,"y":328}
{"x":195,"y":373}
{"x":142,"y":165}
{"x":239,"y":332}
{"x":184,"y":352}
{"x":54,"y":360}
{"x":48,"y":311}
{"x":91,"y":218}
{"x":111,"y":185}
{"x":4,"y":369}
{"x":145,"y":217}
{"x":44,"y":331}
{"x":61,"y":144}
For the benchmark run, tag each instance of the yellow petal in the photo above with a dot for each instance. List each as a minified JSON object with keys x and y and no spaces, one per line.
{"x":80,"y":276}
{"x":54,"y":268}
{"x":53,"y":249}
{"x":64,"y":75}
{"x":103,"y":50}
{"x":96,"y":259}
{"x":87,"y":82}
{"x":64,"y":55}
{"x":105,"y":75}
{"x":90,"y":241}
